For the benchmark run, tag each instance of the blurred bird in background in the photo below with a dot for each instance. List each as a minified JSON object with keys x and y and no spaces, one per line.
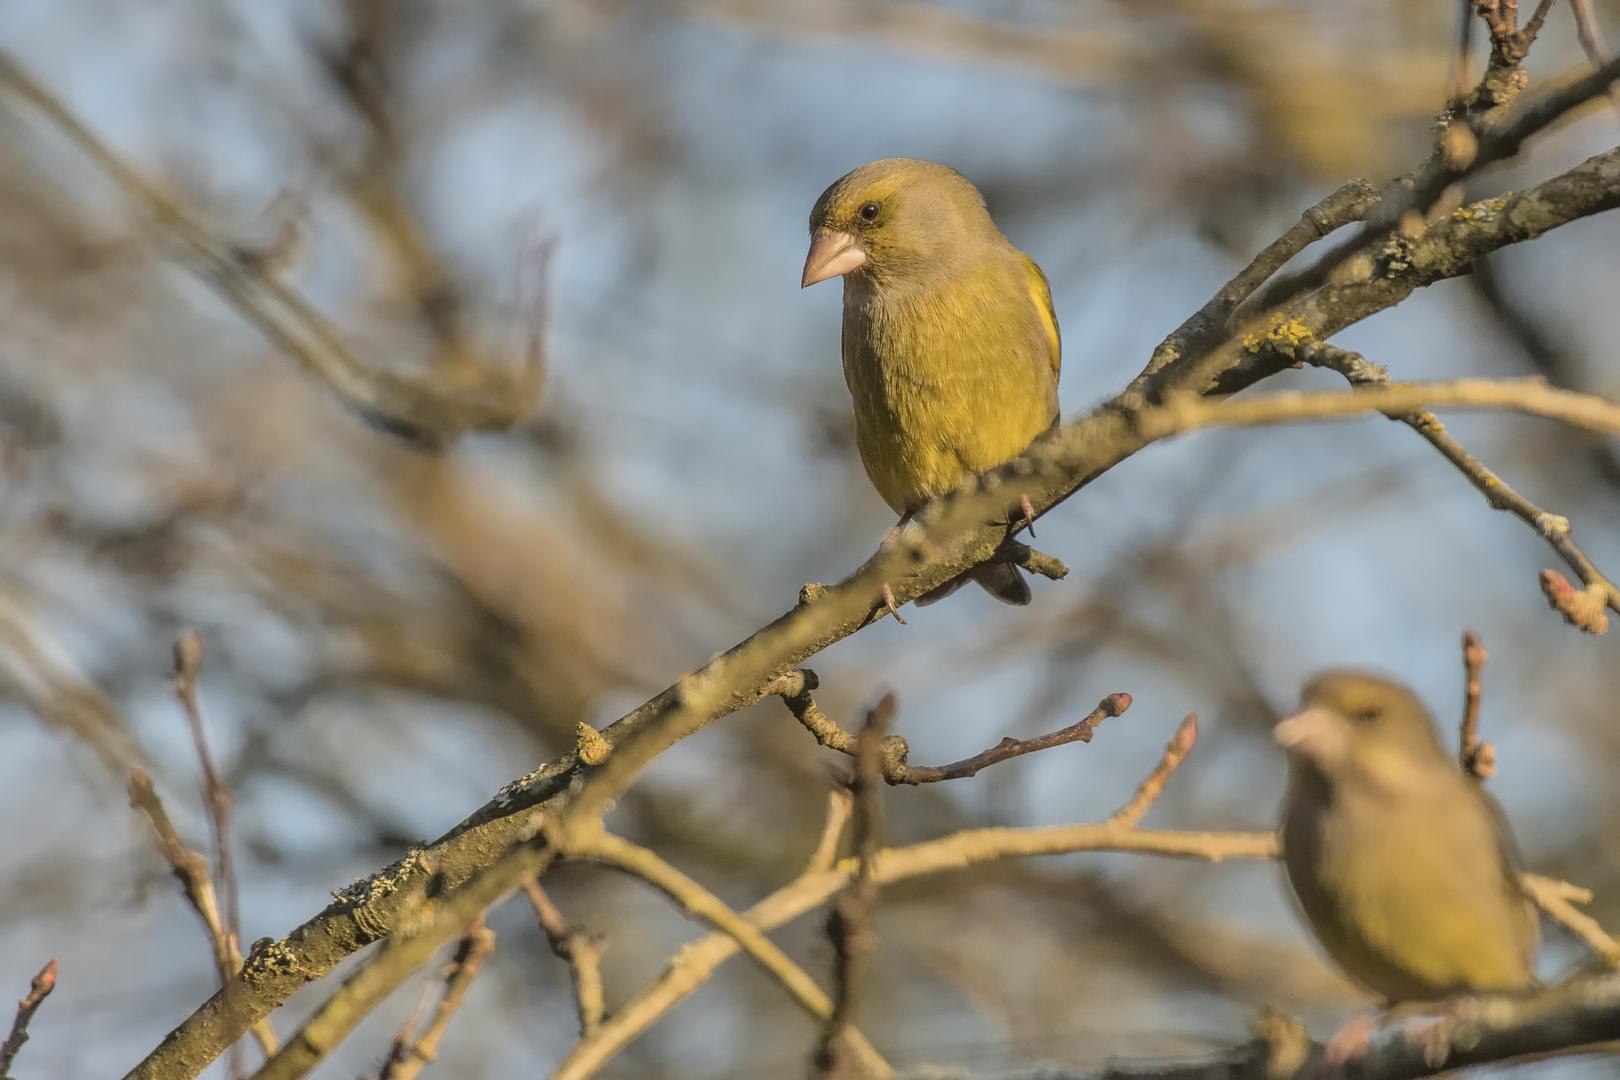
{"x":950,"y":341}
{"x":1405,"y":870}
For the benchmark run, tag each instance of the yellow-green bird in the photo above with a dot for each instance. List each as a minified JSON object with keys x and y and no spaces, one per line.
{"x":1403,"y":867}
{"x":951,"y":347}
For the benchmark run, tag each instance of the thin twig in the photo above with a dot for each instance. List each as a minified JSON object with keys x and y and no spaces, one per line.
{"x":1478,"y":759}
{"x":191,"y":871}
{"x":849,"y":920}
{"x":1175,"y":752}
{"x":893,"y":765}
{"x":407,"y":1055}
{"x":42,"y":985}
{"x":1580,"y":608}
{"x":621,"y":854}
{"x":1557,"y":899}
{"x":840,"y":805}
{"x":1591,"y":38}
{"x":580,"y":949}
{"x":188,"y":658}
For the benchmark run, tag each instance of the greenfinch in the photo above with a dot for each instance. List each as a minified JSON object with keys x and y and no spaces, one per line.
{"x":950,"y":342}
{"x":1403,"y":867}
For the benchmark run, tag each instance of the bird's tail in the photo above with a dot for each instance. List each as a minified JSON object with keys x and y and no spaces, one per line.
{"x":1001,"y":580}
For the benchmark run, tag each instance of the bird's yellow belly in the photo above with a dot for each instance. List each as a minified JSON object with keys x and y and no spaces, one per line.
{"x":922,"y":425}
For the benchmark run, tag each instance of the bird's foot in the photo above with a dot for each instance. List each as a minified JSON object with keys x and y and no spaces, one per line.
{"x":1029,"y":515}
{"x":1353,"y":1039}
{"x":888,"y":600}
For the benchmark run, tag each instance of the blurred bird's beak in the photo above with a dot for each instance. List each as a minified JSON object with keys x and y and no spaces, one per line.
{"x":1317,"y":733}
{"x":832,"y":254}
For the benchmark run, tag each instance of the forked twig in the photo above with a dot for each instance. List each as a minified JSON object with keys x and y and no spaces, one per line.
{"x":580,"y":949}
{"x":413,"y":1049}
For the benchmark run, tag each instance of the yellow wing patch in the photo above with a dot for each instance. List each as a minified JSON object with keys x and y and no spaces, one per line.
{"x":1041,"y":293}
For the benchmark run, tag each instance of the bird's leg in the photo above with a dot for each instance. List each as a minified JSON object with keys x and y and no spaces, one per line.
{"x":1029,"y":515}
{"x":1353,"y":1039}
{"x":894,"y":533}
{"x":888,"y":598}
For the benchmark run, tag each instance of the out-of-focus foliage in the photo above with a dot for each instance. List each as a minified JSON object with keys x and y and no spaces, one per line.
{"x":396,"y":630}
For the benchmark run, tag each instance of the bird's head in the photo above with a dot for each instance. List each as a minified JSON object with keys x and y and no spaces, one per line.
{"x":893,"y":218}
{"x":1359,"y":726}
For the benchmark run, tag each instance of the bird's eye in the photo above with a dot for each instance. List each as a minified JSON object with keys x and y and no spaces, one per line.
{"x":869,"y":211}
{"x":1370,"y":713}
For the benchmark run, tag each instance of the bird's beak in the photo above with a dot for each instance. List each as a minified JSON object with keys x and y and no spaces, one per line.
{"x":1317,"y":733}
{"x":832,"y":254}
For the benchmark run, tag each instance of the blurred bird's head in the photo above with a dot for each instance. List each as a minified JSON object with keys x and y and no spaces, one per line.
{"x":896,"y":218}
{"x":1356,"y":727}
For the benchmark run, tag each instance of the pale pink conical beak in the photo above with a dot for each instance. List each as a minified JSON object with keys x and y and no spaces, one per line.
{"x":832,"y":254}
{"x":1317,"y":733}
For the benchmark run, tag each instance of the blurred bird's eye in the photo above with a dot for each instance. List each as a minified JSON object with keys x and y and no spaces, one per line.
{"x":1370,"y":713}
{"x":869,"y":211}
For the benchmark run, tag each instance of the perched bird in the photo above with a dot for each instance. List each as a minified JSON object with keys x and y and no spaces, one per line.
{"x":951,"y":348}
{"x":1403,"y":867}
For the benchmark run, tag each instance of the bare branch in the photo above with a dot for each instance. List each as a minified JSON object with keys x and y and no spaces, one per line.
{"x":699,"y":902}
{"x":407,"y":1055}
{"x":41,"y":986}
{"x":1557,"y":899}
{"x":191,"y":871}
{"x":893,"y":765}
{"x":1175,"y":752}
{"x":1582,"y":609}
{"x":1478,"y":759}
{"x":839,"y":807}
{"x":693,"y":963}
{"x":581,"y":950}
{"x":849,"y":919}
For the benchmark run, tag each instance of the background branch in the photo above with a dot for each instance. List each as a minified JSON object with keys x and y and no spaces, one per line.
{"x":38,"y":989}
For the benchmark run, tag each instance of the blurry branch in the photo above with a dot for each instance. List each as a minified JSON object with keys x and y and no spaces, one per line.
{"x":1583,"y":609}
{"x":581,"y":950}
{"x":1478,"y":759}
{"x":1541,"y":348}
{"x":412,"y":1050}
{"x":795,"y":688}
{"x":1474,"y":1031}
{"x":35,"y":670}
{"x":1557,"y":899}
{"x":692,"y":965}
{"x":957,"y":532}
{"x":191,"y":871}
{"x":431,"y":408}
{"x":697,"y":901}
{"x":1591,"y":38}
{"x":1068,"y":56}
{"x":1175,"y":752}
{"x":840,"y":805}
{"x":42,"y":985}
{"x":188,"y":658}
{"x":849,"y":918}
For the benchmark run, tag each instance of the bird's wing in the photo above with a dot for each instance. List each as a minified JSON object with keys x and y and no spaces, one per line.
{"x":1041,"y":293}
